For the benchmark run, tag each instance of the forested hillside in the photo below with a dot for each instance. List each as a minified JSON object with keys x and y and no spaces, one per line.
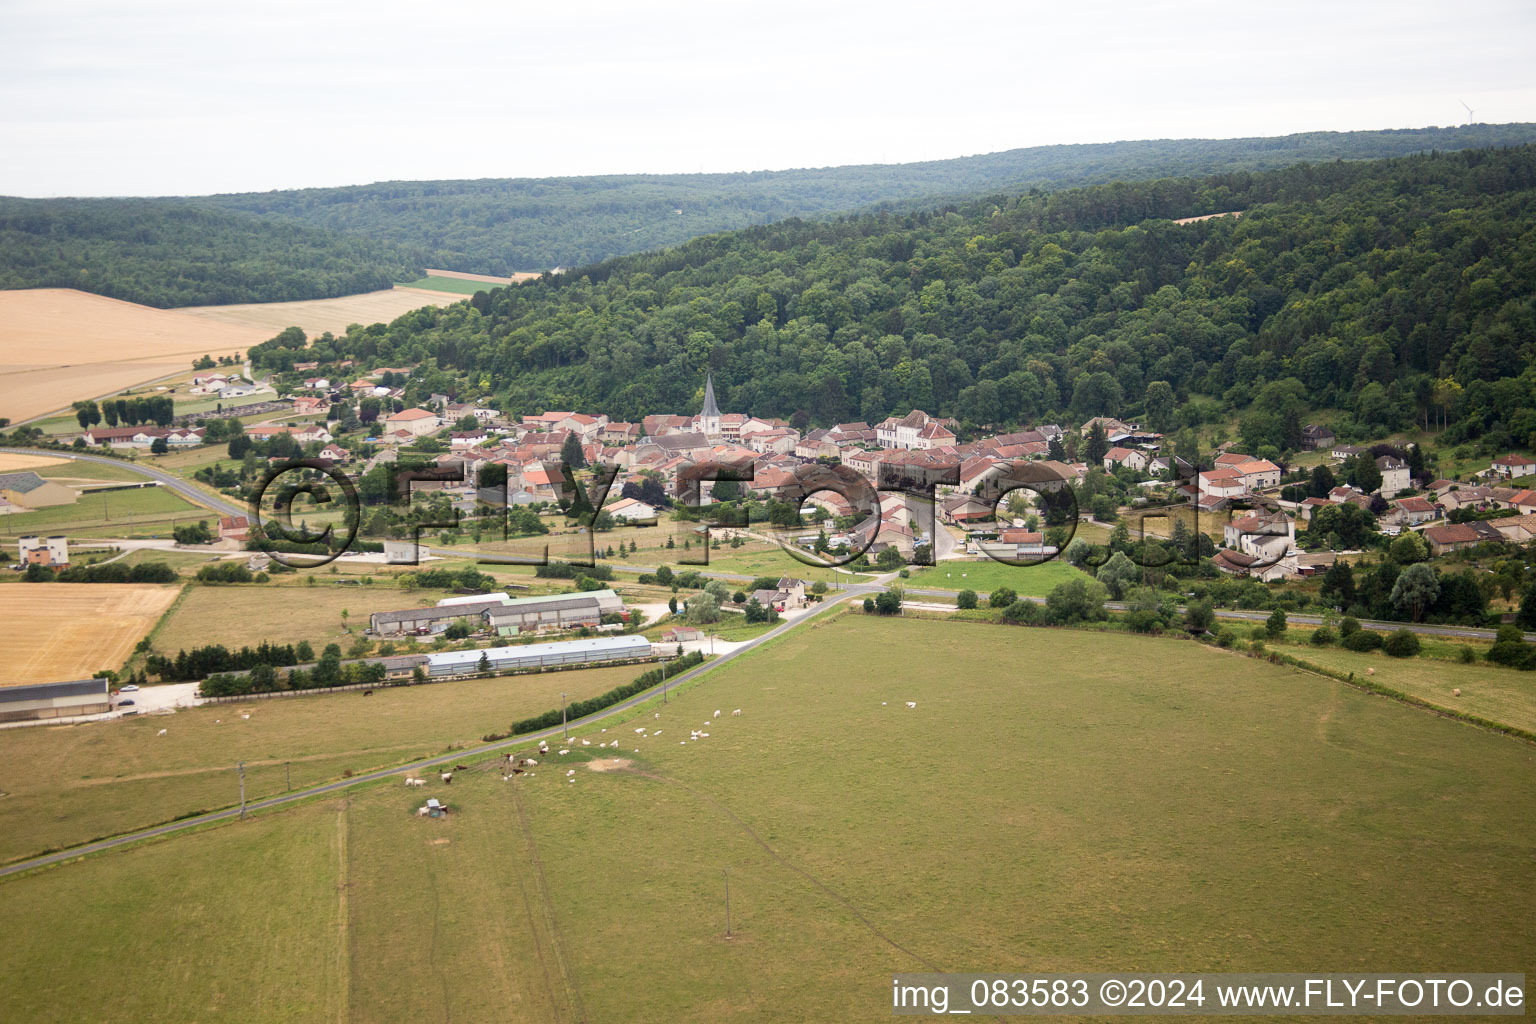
{"x":163,"y":253}
{"x":500,"y":225}
{"x":316,"y":243}
{"x":1397,"y":291}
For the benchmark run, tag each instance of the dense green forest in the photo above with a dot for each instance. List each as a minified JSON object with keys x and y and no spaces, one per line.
{"x":164,"y":253}
{"x":1398,"y":291}
{"x":314,"y":243}
{"x":500,"y":225}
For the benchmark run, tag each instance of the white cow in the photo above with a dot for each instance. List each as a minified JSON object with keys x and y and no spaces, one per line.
{"x":160,"y":733}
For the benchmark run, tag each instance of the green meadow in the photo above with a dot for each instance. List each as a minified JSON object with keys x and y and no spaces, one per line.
{"x":1057,"y":800}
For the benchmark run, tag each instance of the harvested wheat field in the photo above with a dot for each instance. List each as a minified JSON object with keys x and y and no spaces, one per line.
{"x":11,"y":463}
{"x":58,"y":345}
{"x":460,"y":275}
{"x":59,"y":631}
{"x":316,"y":316}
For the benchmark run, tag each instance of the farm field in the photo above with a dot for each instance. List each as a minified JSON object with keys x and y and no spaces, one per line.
{"x":62,"y":345}
{"x":1196,"y":813}
{"x":106,"y":511}
{"x":79,"y":472}
{"x":245,"y":615}
{"x":12,"y":463}
{"x":449,"y":285}
{"x":986,"y":576}
{"x":236,"y":890}
{"x":1498,"y":694}
{"x":61,"y":631}
{"x":317,"y":316}
{"x":459,"y":275}
{"x":755,"y":559}
{"x":71,"y":784}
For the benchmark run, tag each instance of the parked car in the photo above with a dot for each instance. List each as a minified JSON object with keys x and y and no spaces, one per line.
{"x":130,"y":688}
{"x":125,"y":703}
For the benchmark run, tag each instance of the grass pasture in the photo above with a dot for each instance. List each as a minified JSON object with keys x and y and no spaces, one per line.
{"x":987,"y":575}
{"x":450,"y":285}
{"x":70,"y":784}
{"x":62,"y":631}
{"x":1057,"y":800}
{"x":150,"y":509}
{"x":1498,"y":694}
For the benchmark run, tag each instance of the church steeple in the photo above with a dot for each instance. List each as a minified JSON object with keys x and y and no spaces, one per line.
{"x":709,"y":416}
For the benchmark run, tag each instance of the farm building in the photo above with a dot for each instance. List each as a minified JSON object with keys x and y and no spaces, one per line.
{"x":507,"y":616}
{"x":530,"y":656}
{"x":434,"y":619}
{"x":29,"y":490}
{"x":54,"y":700}
{"x":404,"y":552}
{"x":403,"y":666}
{"x":554,"y":611}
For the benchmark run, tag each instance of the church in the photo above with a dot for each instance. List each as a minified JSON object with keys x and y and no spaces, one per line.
{"x":707,"y":422}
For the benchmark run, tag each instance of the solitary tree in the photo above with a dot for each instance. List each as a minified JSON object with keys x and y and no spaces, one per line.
{"x":1415,"y":590}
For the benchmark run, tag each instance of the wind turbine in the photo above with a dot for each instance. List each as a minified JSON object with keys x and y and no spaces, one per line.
{"x":1471,"y":114}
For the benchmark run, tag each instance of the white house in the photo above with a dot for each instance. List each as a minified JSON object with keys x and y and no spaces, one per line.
{"x":416,"y":422}
{"x":916,"y":430}
{"x":1222,"y":483}
{"x":631,"y":510}
{"x":1394,"y":475}
{"x":1268,"y":537}
{"x":1116,"y":457}
{"x":1514,"y":465}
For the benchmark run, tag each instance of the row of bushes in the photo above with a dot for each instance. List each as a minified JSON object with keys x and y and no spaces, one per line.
{"x":201,"y":662}
{"x":592,"y":705}
{"x":116,"y":572}
{"x":328,"y":672}
{"x":567,"y":571}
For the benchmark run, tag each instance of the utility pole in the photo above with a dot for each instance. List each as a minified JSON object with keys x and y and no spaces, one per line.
{"x":727,"y":901}
{"x":287,"y":775}
{"x":241,"y":769}
{"x":563,"y":726}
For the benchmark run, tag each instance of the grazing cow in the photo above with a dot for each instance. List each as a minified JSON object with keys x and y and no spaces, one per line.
{"x":737,"y":713}
{"x":367,"y":693}
{"x":461,"y":767}
{"x":160,"y":733}
{"x":717,"y":712}
{"x":447,"y":778}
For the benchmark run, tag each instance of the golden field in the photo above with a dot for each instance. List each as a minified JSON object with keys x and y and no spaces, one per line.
{"x":59,"y":631}
{"x":58,"y":345}
{"x":317,"y":316}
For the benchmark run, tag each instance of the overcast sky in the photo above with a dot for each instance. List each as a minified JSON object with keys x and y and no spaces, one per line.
{"x":155,"y":97}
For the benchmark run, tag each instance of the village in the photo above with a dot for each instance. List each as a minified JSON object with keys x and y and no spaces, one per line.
{"x":1250,"y":505}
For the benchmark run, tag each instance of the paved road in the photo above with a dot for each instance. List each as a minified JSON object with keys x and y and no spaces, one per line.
{"x":831,"y":601}
{"x":193,"y":494}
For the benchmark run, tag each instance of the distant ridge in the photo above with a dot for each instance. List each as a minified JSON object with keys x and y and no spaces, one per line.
{"x":323,"y":242}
